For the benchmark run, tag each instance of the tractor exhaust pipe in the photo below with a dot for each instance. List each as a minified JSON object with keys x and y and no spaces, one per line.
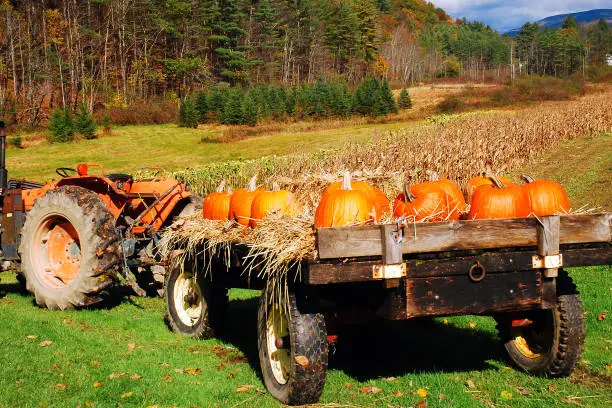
{"x":3,"y":171}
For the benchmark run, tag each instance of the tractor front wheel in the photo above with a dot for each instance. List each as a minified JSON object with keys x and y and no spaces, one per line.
{"x":293,"y":352}
{"x":69,"y":250}
{"x":195,"y":306}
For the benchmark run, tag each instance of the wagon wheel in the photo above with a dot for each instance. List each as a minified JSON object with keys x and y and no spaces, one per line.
{"x":195,"y":306}
{"x":552,"y":343}
{"x":293,"y":352}
{"x":69,"y":248}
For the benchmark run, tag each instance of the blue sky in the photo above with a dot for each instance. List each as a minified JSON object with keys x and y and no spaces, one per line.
{"x":505,"y":15}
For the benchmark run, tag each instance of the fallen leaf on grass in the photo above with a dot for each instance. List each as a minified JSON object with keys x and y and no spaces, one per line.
{"x":244,"y":388}
{"x":260,"y":391}
{"x":97,"y":384}
{"x":472,"y":325}
{"x":164,"y":364}
{"x":421,"y":404}
{"x":179,"y":370}
{"x":421,"y":392}
{"x":192,"y":371}
{"x":96,"y":363}
{"x":506,"y":395}
{"x":302,"y":361}
{"x":347,"y":385}
{"x":390,"y":379}
{"x":136,"y":376}
{"x":470,"y":383}
{"x":131,"y":347}
{"x":441,"y":397}
{"x":522,"y":391}
{"x":370,"y":390}
{"x":61,"y":386}
{"x":126,"y":394}
{"x":445,"y":321}
{"x":45,"y":343}
{"x":89,"y":404}
{"x":397,"y":393}
{"x":167,"y":378}
{"x":112,"y":376}
{"x":152,"y":406}
{"x":609,"y":367}
{"x":551,"y":388}
{"x":31,"y":337}
{"x":601,"y":317}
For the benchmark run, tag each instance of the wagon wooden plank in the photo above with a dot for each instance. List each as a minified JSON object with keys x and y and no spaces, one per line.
{"x":366,"y":241}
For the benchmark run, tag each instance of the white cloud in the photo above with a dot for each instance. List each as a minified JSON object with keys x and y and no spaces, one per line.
{"x":505,"y":15}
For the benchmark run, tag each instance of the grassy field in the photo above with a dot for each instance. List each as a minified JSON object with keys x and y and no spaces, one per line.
{"x":124,"y":355}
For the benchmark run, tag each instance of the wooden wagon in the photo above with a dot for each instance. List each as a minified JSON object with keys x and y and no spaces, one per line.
{"x":511,"y":269}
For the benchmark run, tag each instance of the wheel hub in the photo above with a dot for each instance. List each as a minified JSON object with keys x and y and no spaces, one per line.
{"x":279,"y":348}
{"x":187,"y":299}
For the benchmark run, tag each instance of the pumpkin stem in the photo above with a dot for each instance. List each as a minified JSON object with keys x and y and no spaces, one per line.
{"x":408,"y":196}
{"x":496,"y":181}
{"x":221,"y":186}
{"x":346,"y":181}
{"x":252,"y":184}
{"x":527,"y":178}
{"x":275,"y":186}
{"x":488,"y":168}
{"x":230,"y":191}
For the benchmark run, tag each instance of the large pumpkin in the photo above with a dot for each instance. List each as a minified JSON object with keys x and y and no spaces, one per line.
{"x":455,"y":202}
{"x":344,"y":206}
{"x":277,"y":200}
{"x":546,"y":197}
{"x":216,"y":205}
{"x":499,"y":201}
{"x":375,"y":195}
{"x":478,"y":181}
{"x":242,"y":201}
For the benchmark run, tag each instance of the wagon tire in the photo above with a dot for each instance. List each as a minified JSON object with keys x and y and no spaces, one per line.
{"x":70,"y":250}
{"x":294,"y":373}
{"x":195,"y":306}
{"x":553,"y":346}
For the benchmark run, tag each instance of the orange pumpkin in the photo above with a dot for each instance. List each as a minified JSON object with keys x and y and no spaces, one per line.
{"x":344,"y":206}
{"x":546,"y":197}
{"x":425,"y":201}
{"x":478,"y":181}
{"x":216,"y":205}
{"x":499,"y":201}
{"x":454,"y":200}
{"x":277,"y":200}
{"x":242,"y":201}
{"x":375,"y":195}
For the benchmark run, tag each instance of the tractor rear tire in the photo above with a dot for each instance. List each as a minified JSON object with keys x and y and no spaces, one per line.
{"x":195,"y":306}
{"x":70,"y":250}
{"x":293,"y":352}
{"x":553,"y":345}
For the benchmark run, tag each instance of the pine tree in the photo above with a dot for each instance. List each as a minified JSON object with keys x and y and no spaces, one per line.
{"x":250,"y":111}
{"x":61,"y":126}
{"x":229,"y":51}
{"x":188,"y":114}
{"x":404,"y":101}
{"x":201,"y":106}
{"x":342,"y":33}
{"x":387,"y":97}
{"x":369,"y":98}
{"x":233,"y":111}
{"x":84,"y":123}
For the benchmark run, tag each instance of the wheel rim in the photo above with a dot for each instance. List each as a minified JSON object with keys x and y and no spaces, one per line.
{"x":187,"y":299}
{"x":279,"y":349}
{"x":537,"y":339}
{"x":56,"y":251}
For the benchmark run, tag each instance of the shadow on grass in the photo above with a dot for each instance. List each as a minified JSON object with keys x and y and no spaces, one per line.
{"x":382,"y":349}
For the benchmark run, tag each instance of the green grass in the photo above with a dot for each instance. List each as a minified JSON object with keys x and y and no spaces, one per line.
{"x":133,"y":147}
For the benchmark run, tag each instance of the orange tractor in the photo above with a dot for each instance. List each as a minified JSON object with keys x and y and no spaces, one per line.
{"x":76,"y":237}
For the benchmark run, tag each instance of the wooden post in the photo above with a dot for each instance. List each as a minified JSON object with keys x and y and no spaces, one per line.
{"x":548,"y":241}
{"x":391,"y":246}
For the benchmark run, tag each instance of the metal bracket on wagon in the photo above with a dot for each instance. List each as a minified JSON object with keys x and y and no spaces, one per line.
{"x":548,"y":261}
{"x":389,"y":271}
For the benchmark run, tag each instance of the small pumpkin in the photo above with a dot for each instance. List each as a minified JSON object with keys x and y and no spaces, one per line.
{"x":425,"y":201}
{"x":499,"y":201}
{"x":483,"y":179}
{"x":242,"y":201}
{"x":375,"y":195}
{"x":277,"y":200}
{"x":546,"y":197}
{"x":216,"y":205}
{"x":344,"y":206}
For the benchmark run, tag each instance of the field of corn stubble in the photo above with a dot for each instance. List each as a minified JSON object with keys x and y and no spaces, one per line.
{"x":456,"y":146}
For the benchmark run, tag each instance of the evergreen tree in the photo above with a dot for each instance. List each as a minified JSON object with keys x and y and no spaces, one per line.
{"x":233,"y":112}
{"x":387,"y":97}
{"x":84,"y":123}
{"x":367,"y":16}
{"x":404,"y":101}
{"x":600,"y":37}
{"x":369,"y":98}
{"x":189,"y":115}
{"x":268,"y":38}
{"x":570,"y":22}
{"x":230,"y":52}
{"x":61,"y":126}
{"x":201,"y":105}
{"x":250,"y":111}
{"x":342,"y":33}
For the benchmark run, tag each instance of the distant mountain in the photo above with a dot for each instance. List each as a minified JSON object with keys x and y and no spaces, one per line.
{"x":582,"y":17}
